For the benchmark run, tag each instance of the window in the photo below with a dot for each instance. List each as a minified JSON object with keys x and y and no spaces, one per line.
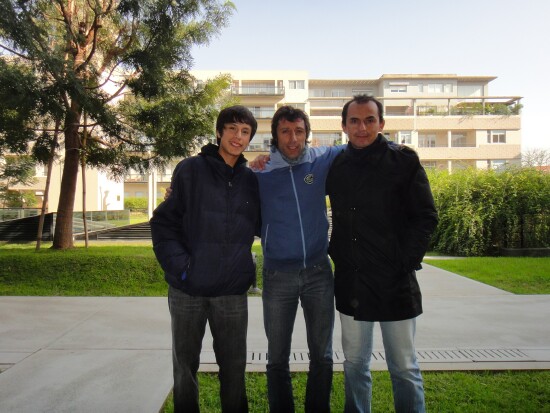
{"x":458,"y":140}
{"x":448,"y":88}
{"x":338,"y":93}
{"x":405,"y":137}
{"x":435,"y":88}
{"x":496,"y":136}
{"x":301,"y":106}
{"x":326,"y":139}
{"x":260,"y":142}
{"x":262,"y":112}
{"x":368,"y":92}
{"x":139,"y":194}
{"x":470,"y":90}
{"x":317,"y":93}
{"x":426,"y":140}
{"x":398,"y":88}
{"x":296,"y":84}
{"x":421,"y":87}
{"x":41,"y":170}
{"x":498,"y":164}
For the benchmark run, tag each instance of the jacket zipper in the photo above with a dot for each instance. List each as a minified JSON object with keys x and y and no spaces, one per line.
{"x":299,"y":216}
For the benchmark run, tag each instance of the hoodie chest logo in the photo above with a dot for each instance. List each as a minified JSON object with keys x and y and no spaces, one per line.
{"x":308,"y":179}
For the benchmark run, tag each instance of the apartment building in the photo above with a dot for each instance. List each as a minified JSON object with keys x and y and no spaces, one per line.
{"x":452,"y":121}
{"x":102,"y":192}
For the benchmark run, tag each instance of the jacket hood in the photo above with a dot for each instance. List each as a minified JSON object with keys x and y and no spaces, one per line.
{"x":213,"y":150}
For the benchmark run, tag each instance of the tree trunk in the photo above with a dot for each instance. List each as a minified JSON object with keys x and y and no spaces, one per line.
{"x":47,"y":188}
{"x":83,"y":167}
{"x":63,"y":237}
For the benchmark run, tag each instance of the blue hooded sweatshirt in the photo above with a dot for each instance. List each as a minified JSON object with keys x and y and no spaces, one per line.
{"x":294,"y":213}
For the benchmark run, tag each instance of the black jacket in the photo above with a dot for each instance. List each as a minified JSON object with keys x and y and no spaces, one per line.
{"x":383,"y":215}
{"x":202,"y":234}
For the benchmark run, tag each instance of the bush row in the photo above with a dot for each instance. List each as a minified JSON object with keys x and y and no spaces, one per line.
{"x":481,"y":211}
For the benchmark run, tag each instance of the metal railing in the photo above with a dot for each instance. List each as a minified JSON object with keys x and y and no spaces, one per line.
{"x":258,"y":90}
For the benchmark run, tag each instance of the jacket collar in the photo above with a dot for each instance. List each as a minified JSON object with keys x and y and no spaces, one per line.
{"x":212,"y":150}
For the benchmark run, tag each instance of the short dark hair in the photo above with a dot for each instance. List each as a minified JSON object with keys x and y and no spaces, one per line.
{"x":238,"y":114}
{"x":360,"y":100}
{"x":290,"y":114}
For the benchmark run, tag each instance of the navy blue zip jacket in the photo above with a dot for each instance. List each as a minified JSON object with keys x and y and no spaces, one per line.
{"x":202,"y":234}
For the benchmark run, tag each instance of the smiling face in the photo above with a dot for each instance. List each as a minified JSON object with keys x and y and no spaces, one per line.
{"x":233,"y":141}
{"x":291,"y":137}
{"x":362,"y":124}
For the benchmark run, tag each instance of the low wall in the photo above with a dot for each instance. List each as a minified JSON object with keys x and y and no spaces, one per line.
{"x":525,"y":252}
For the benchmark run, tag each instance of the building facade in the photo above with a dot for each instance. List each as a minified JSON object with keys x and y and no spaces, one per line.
{"x":451,"y":121}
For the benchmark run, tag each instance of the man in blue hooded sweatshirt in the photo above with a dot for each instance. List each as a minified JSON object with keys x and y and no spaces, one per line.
{"x":296,"y":265}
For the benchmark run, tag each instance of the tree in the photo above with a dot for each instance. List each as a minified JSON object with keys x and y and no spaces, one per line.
{"x":126,"y":65}
{"x":535,"y":158}
{"x":15,"y":171}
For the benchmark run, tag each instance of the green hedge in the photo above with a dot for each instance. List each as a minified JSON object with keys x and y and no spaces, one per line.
{"x":135,"y":203}
{"x":481,"y":211}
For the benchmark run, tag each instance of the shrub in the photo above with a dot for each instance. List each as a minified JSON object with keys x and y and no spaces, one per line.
{"x":135,"y":203}
{"x":481,"y":211}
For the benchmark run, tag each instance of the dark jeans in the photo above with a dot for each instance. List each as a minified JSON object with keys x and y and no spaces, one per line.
{"x":314,"y":288}
{"x":228,"y":320}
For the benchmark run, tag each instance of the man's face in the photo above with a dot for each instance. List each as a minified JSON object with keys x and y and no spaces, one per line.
{"x":234,"y":140}
{"x":362,"y":124}
{"x":291,"y":137}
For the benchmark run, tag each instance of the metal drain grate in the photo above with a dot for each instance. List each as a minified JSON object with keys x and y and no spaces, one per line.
{"x":424,"y":356}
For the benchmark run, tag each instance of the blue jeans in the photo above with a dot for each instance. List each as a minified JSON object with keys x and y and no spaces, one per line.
{"x":228,"y":320}
{"x":398,"y":338}
{"x":314,"y":288}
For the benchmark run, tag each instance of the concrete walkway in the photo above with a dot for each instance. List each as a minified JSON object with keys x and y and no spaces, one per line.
{"x":105,"y":354}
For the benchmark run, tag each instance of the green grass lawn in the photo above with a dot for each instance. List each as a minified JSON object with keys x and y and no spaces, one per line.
{"x":103,"y":269}
{"x":518,"y":275}
{"x":113,"y":269}
{"x":446,"y":392}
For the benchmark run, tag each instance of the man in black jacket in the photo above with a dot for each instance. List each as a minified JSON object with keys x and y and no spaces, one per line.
{"x":383,"y":216}
{"x":202,"y":237}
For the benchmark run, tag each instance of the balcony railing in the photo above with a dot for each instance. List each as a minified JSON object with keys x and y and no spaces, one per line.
{"x":258,"y":90}
{"x":262,"y":113}
{"x":145,"y":178}
{"x":322,"y":103}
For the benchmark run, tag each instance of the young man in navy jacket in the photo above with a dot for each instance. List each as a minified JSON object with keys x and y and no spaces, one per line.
{"x":202,"y":237}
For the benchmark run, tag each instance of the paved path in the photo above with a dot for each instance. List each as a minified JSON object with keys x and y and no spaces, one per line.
{"x":105,"y":354}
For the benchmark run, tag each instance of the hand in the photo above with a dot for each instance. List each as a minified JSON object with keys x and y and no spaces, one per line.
{"x":167,"y":193}
{"x":258,"y":164}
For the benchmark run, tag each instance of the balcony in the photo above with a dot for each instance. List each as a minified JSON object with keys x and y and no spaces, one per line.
{"x":258,"y":91}
{"x":143,"y":178}
{"x":262,"y":113}
{"x":453,"y":106}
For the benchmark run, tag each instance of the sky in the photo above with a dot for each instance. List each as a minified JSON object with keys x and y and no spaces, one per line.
{"x":365,"y":39}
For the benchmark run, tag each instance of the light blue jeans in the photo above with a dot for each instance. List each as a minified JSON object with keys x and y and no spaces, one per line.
{"x":398,"y":338}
